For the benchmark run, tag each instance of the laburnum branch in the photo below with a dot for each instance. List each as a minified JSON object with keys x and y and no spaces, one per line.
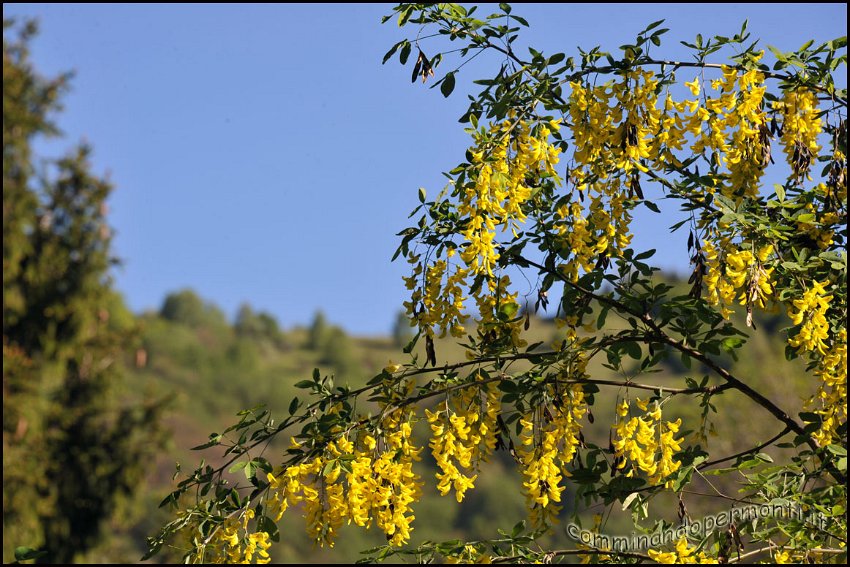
{"x":659,"y":335}
{"x":747,"y":452}
{"x":743,"y":556}
{"x":481,"y":41}
{"x":336,"y":397}
{"x":547,"y":556}
{"x":564,"y":552}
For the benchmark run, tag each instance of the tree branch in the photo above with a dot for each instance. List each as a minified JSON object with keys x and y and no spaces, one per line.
{"x":663,"y":337}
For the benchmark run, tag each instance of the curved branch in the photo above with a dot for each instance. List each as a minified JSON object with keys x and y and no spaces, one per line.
{"x":747,"y":452}
{"x":663,"y":337}
{"x":747,"y":555}
{"x":564,"y":552}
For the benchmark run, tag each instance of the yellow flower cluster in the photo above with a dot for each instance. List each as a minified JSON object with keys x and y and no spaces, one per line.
{"x":832,"y":393}
{"x":578,"y":239}
{"x":465,"y":435}
{"x":801,"y":126}
{"x":719,"y":290}
{"x":601,"y":233}
{"x":647,"y":442}
{"x":548,"y":442}
{"x":381,"y":485}
{"x":306,"y":484}
{"x":226,"y":546}
{"x":470,"y":554}
{"x":747,"y":271}
{"x":732,"y":127}
{"x":671,"y":134}
{"x":744,"y":270}
{"x":396,"y":486}
{"x":810,"y":313}
{"x":611,"y":125}
{"x":682,"y":554}
{"x":505,"y":160}
{"x":619,"y":130}
{"x":436,"y":303}
{"x":592,"y":125}
{"x":258,"y":542}
{"x":637,"y":115}
{"x":749,"y":140}
{"x":451,"y":441}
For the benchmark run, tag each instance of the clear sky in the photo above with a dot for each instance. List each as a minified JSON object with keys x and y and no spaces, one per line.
{"x":262,"y":153}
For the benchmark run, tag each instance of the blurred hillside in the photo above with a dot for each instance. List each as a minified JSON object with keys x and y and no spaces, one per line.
{"x":211,"y":368}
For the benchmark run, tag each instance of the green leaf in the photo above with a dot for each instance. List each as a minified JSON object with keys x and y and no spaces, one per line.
{"x":632,"y":349}
{"x":329,"y":467}
{"x":683,"y":477}
{"x":646,"y":254}
{"x":652,"y":26}
{"x":392,"y":50}
{"x":262,"y":464}
{"x":603,"y":314}
{"x":448,"y":84}
{"x":651,"y":206}
{"x":408,"y":348}
{"x":404,"y":53}
{"x":237,"y":467}
{"x":214,"y":440}
{"x":837,"y":450}
{"x":293,"y":406}
{"x":555,"y":59}
{"x":520,"y":20}
{"x":778,"y":54}
{"x":304,"y":384}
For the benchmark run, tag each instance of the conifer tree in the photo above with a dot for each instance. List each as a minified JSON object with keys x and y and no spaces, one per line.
{"x":70,"y":449}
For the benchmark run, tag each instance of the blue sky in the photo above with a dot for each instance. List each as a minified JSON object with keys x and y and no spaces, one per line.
{"x":262,"y":153}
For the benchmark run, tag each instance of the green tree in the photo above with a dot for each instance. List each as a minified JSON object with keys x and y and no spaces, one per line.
{"x":248,"y":323}
{"x":337,"y":351}
{"x":70,"y":449}
{"x":187,"y":307}
{"x":258,"y":325}
{"x":319,"y":332}
{"x":562,"y":151}
{"x":402,"y":330}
